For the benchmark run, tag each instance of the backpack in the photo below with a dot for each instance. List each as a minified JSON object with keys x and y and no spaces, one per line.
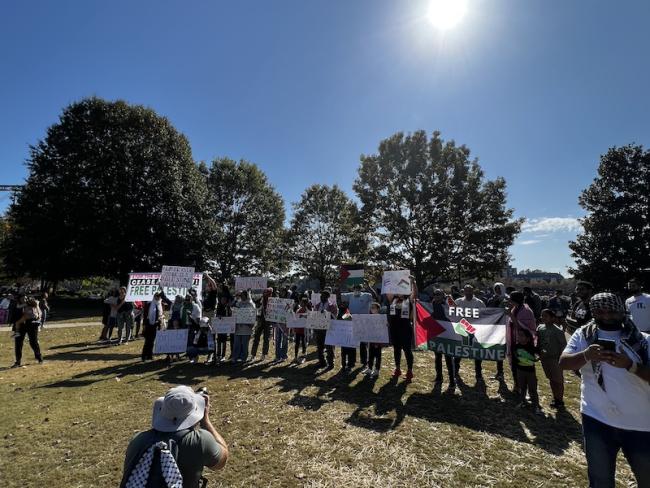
{"x":155,"y":465}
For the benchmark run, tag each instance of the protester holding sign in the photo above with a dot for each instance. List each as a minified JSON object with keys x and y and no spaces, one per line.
{"x":519,"y":316}
{"x":374,"y":349}
{"x":358,"y":302}
{"x":152,"y":313}
{"x":263,"y":328}
{"x":439,"y":312}
{"x":400,"y":326}
{"x":331,"y":310}
{"x":124,"y":317}
{"x":471,"y":302}
{"x":223,"y":310}
{"x":243,"y":331}
{"x":299,"y":332}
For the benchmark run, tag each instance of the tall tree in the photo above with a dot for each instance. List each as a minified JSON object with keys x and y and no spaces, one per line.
{"x":615,"y":242}
{"x":431,"y":210}
{"x":248,"y":217}
{"x":112,"y":188}
{"x":325,"y":232}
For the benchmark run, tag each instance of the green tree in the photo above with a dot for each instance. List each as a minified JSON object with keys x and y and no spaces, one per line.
{"x":248,"y":217}
{"x":615,"y":242}
{"x":430,"y":209}
{"x":112,"y":188}
{"x":325,"y":232}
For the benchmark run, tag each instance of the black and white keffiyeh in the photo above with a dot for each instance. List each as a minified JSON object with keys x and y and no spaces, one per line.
{"x":606,"y":301}
{"x":170,"y":472}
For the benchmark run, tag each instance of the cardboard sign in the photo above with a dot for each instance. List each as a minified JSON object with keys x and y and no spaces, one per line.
{"x":318,"y":320}
{"x":142,"y":286}
{"x":223,"y":325}
{"x":341,"y":333}
{"x":171,"y":341}
{"x":177,"y":276}
{"x":245,"y":315}
{"x":250,"y":283}
{"x":396,"y":282}
{"x":277,"y":309}
{"x":371,"y":328}
{"x":296,"y":322}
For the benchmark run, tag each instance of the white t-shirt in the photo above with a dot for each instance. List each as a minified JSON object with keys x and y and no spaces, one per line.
{"x":358,"y":304}
{"x":625,"y":402}
{"x":473,"y":303}
{"x":639,"y":310}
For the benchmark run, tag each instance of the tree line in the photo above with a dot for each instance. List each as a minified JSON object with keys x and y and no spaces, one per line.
{"x":113,"y":188}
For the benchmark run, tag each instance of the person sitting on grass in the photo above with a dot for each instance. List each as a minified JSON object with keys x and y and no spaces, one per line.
{"x":551,"y":342}
{"x":180,"y":444}
{"x":524,"y":359}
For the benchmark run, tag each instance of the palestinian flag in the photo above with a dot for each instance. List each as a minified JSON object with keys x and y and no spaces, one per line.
{"x":468,"y":333}
{"x":352,"y":274}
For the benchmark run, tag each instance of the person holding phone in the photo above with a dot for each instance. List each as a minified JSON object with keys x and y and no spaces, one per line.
{"x":614,"y":360}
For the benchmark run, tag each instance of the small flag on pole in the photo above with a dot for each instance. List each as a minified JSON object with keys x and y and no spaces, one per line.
{"x":352,"y":274}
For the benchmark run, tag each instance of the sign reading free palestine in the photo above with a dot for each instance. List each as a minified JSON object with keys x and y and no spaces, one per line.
{"x":142,"y":286}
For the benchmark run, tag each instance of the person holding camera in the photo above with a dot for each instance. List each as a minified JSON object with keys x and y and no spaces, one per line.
{"x":181,"y":442}
{"x":614,"y":361}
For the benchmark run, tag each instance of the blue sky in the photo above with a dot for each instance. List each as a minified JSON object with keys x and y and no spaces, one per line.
{"x":537,"y":89}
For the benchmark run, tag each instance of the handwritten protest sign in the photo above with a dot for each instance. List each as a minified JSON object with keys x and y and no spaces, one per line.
{"x":396,"y":282}
{"x":250,"y":283}
{"x":177,"y":276}
{"x":315,"y":299}
{"x":142,"y":286}
{"x":277,"y":309}
{"x":371,"y":328}
{"x":318,"y":320}
{"x":341,"y":333}
{"x":223,"y":325}
{"x":246,"y":315}
{"x":296,"y":322}
{"x":171,"y":341}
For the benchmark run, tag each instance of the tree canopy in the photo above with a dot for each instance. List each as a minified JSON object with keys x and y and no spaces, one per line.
{"x":111,"y":188}
{"x":325,"y":232}
{"x":247,"y":216}
{"x":615,"y":242}
{"x":431,"y":210}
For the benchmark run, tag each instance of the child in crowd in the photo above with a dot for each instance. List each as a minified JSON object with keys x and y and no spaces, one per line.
{"x":551,"y":342}
{"x":374,"y":350}
{"x":303,"y":310}
{"x":201,"y":343}
{"x":524,"y":359}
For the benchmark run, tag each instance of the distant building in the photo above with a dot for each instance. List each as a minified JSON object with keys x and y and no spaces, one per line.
{"x":509,"y":272}
{"x":539,"y":275}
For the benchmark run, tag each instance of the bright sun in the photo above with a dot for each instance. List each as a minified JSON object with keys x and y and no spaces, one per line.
{"x":446,"y":14}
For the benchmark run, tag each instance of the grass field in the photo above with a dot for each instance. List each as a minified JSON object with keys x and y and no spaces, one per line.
{"x":66,"y":423}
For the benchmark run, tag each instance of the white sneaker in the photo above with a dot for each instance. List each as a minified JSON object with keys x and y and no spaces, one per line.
{"x":366,"y":370}
{"x":374,"y":373}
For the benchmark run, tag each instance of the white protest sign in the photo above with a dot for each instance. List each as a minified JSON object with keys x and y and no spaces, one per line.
{"x":318,"y":320}
{"x":315,"y":299}
{"x":223,"y":325}
{"x":371,"y":328}
{"x":277,"y":309}
{"x":250,"y":283}
{"x":171,"y":341}
{"x":296,"y":322}
{"x":247,"y":315}
{"x":396,"y":282}
{"x":142,"y":286}
{"x":177,"y":276}
{"x":341,"y":333}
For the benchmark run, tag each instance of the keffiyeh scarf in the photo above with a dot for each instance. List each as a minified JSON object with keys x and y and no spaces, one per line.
{"x":171,"y":474}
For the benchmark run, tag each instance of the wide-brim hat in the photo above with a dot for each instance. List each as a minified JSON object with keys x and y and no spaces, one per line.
{"x":181,"y":408}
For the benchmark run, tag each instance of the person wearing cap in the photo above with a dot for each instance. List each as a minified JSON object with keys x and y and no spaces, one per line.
{"x":182,"y":416}
{"x":638,"y":305}
{"x":613,"y":358}
{"x":580,"y":314}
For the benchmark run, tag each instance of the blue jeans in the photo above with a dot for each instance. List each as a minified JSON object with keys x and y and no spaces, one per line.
{"x":281,"y":344}
{"x":241,"y":347}
{"x":602,"y":443}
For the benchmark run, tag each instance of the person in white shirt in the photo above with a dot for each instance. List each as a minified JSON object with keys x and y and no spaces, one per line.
{"x":470,"y":301}
{"x":638,"y":305}
{"x":613,"y":358}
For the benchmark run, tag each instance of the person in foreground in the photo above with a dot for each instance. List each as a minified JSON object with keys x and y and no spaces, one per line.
{"x":612,"y":355}
{"x":181,"y":419}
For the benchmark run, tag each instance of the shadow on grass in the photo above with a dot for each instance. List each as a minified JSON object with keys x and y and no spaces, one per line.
{"x":381,"y":411}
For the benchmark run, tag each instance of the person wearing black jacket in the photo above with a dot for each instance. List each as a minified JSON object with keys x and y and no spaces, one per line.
{"x":439,"y":312}
{"x":152,"y":315}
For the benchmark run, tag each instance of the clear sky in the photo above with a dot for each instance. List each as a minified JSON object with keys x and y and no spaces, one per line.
{"x":537,"y":89}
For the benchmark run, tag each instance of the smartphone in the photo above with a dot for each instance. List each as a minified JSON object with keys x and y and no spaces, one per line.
{"x":607,"y":344}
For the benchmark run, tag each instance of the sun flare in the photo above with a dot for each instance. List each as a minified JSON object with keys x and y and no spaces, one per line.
{"x":446,"y":14}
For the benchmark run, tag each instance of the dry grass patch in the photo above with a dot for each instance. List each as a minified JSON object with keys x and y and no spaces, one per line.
{"x":67,"y":423}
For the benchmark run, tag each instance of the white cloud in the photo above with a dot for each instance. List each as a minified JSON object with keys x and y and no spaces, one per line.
{"x":529,"y":242}
{"x":552,"y":224}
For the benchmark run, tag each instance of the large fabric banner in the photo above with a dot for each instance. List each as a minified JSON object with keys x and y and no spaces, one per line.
{"x":474,"y":333}
{"x":277,"y":309}
{"x":142,"y":286}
